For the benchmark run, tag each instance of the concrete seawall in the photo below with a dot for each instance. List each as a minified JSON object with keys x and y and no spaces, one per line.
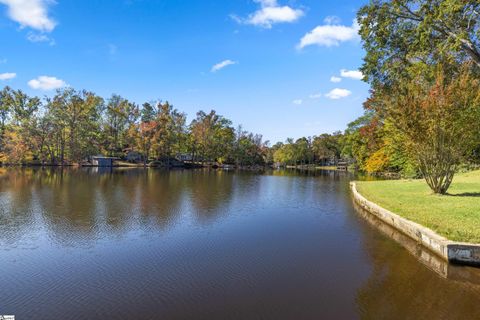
{"x":455,"y":252}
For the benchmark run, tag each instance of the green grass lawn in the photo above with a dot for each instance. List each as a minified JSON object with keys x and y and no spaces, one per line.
{"x":456,"y":216}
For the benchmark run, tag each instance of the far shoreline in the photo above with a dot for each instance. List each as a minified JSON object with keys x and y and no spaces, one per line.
{"x":187,"y":166}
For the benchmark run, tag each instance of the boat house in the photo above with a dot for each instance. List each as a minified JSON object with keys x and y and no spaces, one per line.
{"x":101,"y":161}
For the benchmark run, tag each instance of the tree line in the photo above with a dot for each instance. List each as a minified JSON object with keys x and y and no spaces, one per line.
{"x":423,"y":64}
{"x":74,"y":125}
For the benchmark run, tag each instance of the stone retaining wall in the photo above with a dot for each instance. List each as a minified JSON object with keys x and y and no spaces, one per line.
{"x":456,"y":252}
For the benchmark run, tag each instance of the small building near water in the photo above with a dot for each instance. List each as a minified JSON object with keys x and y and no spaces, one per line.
{"x":184,"y":157}
{"x":342,"y":165}
{"x":101,"y":161}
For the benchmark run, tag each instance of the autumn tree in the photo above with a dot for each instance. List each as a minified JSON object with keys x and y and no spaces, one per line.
{"x":15,"y":150}
{"x":212,"y":136}
{"x":440,"y":120}
{"x":146,"y":138}
{"x":405,"y":42}
{"x":169,"y":131}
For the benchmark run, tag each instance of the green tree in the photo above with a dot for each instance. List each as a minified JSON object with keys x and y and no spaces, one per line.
{"x":326,"y":147}
{"x":22,"y":111}
{"x":5,"y":110}
{"x":75,"y":116}
{"x":119,"y":116}
{"x":401,"y":35}
{"x":23,"y":106}
{"x":249,"y":148}
{"x":148,"y":112}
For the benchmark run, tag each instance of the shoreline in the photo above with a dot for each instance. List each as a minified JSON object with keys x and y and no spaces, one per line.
{"x":419,"y":252}
{"x":139,"y":165}
{"x":124,"y":164}
{"x":463,"y":253}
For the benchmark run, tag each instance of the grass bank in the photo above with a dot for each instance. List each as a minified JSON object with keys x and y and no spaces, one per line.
{"x":326,"y":168}
{"x":455,"y":216}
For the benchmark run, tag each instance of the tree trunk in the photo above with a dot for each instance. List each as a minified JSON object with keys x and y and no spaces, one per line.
{"x":438,"y":175}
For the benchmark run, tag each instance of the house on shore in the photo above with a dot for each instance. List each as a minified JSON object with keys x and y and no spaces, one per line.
{"x":184,"y":157}
{"x":102,"y":161}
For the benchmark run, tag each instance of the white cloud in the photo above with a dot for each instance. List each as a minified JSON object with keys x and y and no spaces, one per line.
{"x":338,"y":93}
{"x":30,"y":13}
{"x":270,"y":13}
{"x":297,"y":102}
{"x":329,"y":35}
{"x":332,"y":20}
{"x":222,"y":65}
{"x":335,"y":79}
{"x":7,"y":76}
{"x":315,"y":95}
{"x":352,"y":74}
{"x":46,"y":83}
{"x":40,"y":37}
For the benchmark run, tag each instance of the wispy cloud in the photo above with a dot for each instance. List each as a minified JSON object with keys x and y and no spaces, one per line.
{"x":223,"y":64}
{"x":332,"y":20}
{"x":352,"y":74}
{"x":270,"y":13}
{"x":46,"y":83}
{"x":40,"y":37}
{"x":7,"y":75}
{"x":338,"y":93}
{"x":335,"y":79}
{"x":315,"y":96}
{"x":329,"y":35}
{"x":30,"y":13}
{"x":4,"y":60}
{"x":297,"y":102}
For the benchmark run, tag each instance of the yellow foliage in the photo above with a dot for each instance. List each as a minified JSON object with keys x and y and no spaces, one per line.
{"x":377,"y":162}
{"x":16,"y":150}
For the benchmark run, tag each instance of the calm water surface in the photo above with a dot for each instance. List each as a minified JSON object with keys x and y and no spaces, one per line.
{"x":151,"y":244}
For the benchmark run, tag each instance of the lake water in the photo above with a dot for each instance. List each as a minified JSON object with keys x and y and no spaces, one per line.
{"x":200,"y":244}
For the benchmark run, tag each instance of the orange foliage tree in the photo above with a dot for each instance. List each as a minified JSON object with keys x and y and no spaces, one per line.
{"x":440,"y":120}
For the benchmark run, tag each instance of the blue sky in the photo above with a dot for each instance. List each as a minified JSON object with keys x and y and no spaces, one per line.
{"x":265,"y":64}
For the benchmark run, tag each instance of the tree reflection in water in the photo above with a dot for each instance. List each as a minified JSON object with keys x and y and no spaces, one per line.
{"x":78,"y":205}
{"x":80,"y":243}
{"x":401,"y":288}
